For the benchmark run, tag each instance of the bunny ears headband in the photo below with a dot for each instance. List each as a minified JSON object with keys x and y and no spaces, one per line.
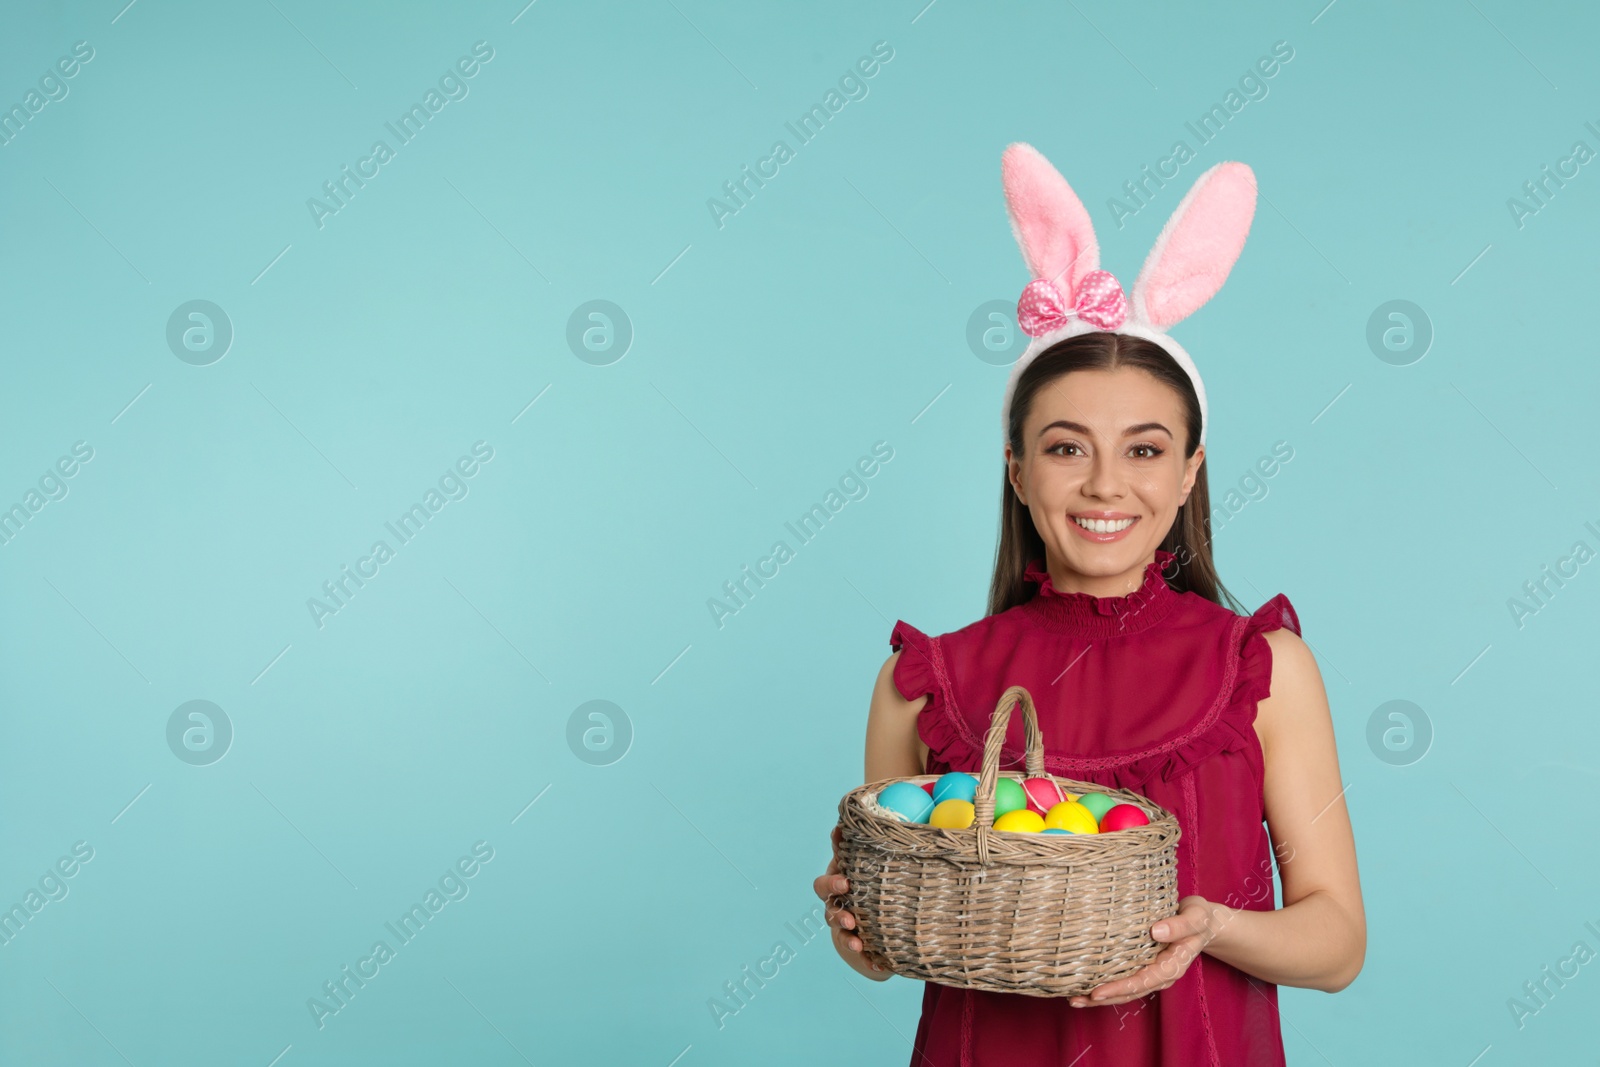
{"x":1071,"y":295}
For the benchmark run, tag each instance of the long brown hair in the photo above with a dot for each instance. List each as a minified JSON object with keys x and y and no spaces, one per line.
{"x":1190,"y":537}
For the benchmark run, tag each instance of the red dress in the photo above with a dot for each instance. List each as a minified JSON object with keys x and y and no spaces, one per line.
{"x":1156,"y":692}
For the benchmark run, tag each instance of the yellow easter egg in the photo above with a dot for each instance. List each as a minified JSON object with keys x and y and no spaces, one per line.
{"x":952,"y":814}
{"x":1071,"y":816}
{"x":1021,"y":821}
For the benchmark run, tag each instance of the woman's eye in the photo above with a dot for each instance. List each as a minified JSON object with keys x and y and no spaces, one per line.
{"x":1151,"y":451}
{"x":1057,"y":449}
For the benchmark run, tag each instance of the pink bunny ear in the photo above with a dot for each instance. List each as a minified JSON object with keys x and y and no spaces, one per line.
{"x":1197,"y":247}
{"x":1051,"y":225}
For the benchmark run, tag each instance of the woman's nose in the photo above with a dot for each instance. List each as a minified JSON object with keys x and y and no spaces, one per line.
{"x":1106,"y":479}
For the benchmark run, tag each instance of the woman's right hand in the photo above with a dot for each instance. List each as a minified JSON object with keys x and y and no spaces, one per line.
{"x":842,"y":923}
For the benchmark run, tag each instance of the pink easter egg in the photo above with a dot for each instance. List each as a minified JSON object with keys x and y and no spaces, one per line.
{"x":929,"y":787}
{"x":1043,"y":794}
{"x":1122,"y":817}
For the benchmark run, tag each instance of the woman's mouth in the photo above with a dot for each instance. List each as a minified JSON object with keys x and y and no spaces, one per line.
{"x":1101,"y":530}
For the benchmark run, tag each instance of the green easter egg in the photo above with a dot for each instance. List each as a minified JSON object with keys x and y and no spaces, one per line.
{"x":1098,"y":804}
{"x":1008,"y":796}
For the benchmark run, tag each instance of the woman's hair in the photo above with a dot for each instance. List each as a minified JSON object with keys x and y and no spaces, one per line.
{"x":1190,"y":537}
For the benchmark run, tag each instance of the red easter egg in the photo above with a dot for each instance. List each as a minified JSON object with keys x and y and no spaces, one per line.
{"x":929,"y":787}
{"x":1123,"y":817}
{"x":1043,"y":794}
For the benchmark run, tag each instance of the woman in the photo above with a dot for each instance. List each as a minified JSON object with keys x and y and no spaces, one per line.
{"x":1142,"y":676}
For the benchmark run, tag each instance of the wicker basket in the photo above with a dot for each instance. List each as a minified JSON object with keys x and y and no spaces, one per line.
{"x":1046,"y":915}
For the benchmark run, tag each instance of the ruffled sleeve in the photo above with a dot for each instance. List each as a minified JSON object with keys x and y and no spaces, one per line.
{"x":1232,"y":729}
{"x":1255,"y":667}
{"x":921,"y":671}
{"x":1255,"y":674}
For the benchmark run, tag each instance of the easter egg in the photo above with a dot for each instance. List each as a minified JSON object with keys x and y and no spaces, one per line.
{"x":954,"y":786}
{"x":1097,"y":803}
{"x":1054,"y":830}
{"x":1008,"y":796}
{"x":1020,"y":821}
{"x":1073,"y":817}
{"x":928,"y":787}
{"x":1043,"y":794}
{"x":952,"y":814}
{"x":907,"y":800}
{"x":1123,"y":817}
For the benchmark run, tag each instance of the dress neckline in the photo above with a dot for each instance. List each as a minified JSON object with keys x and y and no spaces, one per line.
{"x":1086,"y":615}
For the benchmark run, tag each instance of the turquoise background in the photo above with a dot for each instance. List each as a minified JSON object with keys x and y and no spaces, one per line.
{"x":830,"y":313}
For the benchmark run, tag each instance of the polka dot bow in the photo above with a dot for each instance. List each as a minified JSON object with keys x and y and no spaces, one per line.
{"x":1100,"y":302}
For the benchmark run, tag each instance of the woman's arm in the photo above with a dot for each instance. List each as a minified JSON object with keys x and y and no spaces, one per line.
{"x":1318,"y":938}
{"x":893,"y":748}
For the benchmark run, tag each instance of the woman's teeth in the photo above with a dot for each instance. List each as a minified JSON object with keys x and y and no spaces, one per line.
{"x":1103,"y":525}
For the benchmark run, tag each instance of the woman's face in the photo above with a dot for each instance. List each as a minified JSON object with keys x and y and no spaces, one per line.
{"x":1103,"y":448}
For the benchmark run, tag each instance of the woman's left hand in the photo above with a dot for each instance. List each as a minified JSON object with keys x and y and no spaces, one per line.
{"x":1186,"y":934}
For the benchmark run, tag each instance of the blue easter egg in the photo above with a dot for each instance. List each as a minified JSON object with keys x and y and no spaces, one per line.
{"x":1055,"y":830}
{"x":955,"y":786}
{"x":908,"y":799}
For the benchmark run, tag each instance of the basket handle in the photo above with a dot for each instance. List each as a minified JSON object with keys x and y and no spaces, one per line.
{"x":1033,"y":760}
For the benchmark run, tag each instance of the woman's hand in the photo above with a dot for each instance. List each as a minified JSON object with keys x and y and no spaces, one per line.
{"x":1187,"y":934}
{"x":842,"y":923}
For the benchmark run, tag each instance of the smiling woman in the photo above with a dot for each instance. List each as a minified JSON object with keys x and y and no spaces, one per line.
{"x":1147,"y":674}
{"x":1102,"y":491}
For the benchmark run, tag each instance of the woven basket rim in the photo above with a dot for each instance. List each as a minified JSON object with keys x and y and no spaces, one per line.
{"x":1162,"y":822}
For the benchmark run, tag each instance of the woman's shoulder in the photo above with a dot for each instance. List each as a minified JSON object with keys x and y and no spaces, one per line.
{"x":1265,"y":648}
{"x":1251,"y":649}
{"x":1275,"y":614}
{"x":1273,"y":648}
{"x":924,"y":663}
{"x":1274,"y":625}
{"x":905,"y":633}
